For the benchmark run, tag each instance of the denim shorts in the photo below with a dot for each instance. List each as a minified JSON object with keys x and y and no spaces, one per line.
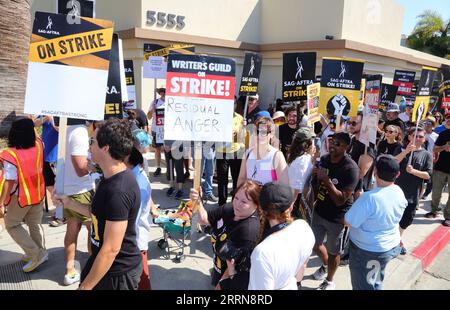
{"x":336,"y":234}
{"x":367,"y":268}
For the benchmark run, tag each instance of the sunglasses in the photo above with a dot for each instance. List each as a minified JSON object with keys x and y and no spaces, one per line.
{"x":91,"y":140}
{"x":353,"y":123}
{"x":390,"y":131}
{"x":420,"y":137}
{"x":335,"y":143}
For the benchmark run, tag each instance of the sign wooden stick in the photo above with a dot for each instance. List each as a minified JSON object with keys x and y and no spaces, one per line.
{"x":419,"y":114}
{"x":245,"y":108}
{"x":197,"y":178}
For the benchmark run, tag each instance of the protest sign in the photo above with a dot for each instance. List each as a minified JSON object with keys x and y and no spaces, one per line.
{"x":113,"y":105}
{"x":68,"y":67}
{"x":362,"y":92}
{"x":423,"y":93}
{"x":155,"y":67}
{"x":131,"y":87}
{"x":313,"y":92}
{"x":405,"y":81}
{"x":299,"y":71}
{"x":199,"y":98}
{"x":444,"y":88}
{"x":369,"y":123}
{"x":159,"y":122}
{"x":156,"y":50}
{"x":340,"y":86}
{"x":388,"y":94}
{"x":250,"y":74}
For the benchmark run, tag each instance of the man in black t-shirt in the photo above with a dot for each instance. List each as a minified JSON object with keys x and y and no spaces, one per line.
{"x":336,"y":180}
{"x":412,"y":175}
{"x":115,"y":262}
{"x":358,"y":153}
{"x":252,"y":109}
{"x":286,"y":131}
{"x":441,"y":175}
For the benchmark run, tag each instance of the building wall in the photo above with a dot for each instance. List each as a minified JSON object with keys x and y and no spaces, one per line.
{"x":375,"y":22}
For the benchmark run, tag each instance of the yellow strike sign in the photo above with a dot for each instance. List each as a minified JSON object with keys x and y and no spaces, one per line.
{"x":423,"y":101}
{"x":71,"y":46}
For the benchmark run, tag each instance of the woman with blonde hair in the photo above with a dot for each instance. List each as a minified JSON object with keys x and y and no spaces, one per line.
{"x":263,"y":163}
{"x":279,"y":260}
{"x":392,"y":143}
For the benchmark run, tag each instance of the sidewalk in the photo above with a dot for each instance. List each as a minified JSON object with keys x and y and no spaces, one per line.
{"x":193,"y":272}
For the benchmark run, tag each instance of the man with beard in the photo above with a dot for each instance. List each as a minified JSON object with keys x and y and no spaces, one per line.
{"x":335,"y":181}
{"x":392,"y":116}
{"x":286,"y":131}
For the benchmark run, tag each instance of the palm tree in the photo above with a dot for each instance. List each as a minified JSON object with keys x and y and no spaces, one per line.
{"x":431,"y":34}
{"x":15,"y":32}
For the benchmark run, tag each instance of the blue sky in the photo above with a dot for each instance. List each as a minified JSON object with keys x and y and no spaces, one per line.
{"x":416,"y":7}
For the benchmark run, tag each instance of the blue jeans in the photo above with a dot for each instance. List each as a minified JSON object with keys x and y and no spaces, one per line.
{"x":367,"y":268}
{"x":207,"y":166}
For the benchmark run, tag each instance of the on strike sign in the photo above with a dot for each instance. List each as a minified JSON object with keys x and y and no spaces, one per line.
{"x":199,"y":98}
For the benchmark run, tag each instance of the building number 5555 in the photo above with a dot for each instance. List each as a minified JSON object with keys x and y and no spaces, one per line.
{"x":162,"y":19}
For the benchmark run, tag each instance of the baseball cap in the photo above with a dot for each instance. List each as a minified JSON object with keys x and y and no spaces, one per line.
{"x":342,"y":136}
{"x":303,"y":134}
{"x":256,"y":96}
{"x":275,"y":197}
{"x":393,"y":107}
{"x":278,"y":114}
{"x":262,"y":114}
{"x":387,"y":167}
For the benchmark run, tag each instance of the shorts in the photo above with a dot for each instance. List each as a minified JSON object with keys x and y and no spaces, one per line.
{"x":126,"y":281}
{"x":49,"y":175}
{"x":336,"y":234}
{"x":408,"y":215}
{"x":84,"y":198}
{"x":154,"y":144}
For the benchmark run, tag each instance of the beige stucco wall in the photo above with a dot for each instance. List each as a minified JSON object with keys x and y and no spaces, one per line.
{"x":375,"y":22}
{"x":124,"y":13}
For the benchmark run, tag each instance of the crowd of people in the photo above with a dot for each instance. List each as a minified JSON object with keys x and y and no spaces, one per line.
{"x":296,"y":190}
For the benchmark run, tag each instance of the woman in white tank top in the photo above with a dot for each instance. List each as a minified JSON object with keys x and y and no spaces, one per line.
{"x":263,"y":163}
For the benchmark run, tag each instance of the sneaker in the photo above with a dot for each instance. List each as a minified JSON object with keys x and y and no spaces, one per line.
{"x":57,"y":222}
{"x":446,"y":222}
{"x":326,"y":286}
{"x":179,"y":194}
{"x":320,"y":273}
{"x":157,"y":172}
{"x":33,"y":264}
{"x":431,"y":215}
{"x":170,"y":191}
{"x":344,"y":260}
{"x":211,"y":197}
{"x":71,"y":278}
{"x":403,"y":251}
{"x":25,"y":258}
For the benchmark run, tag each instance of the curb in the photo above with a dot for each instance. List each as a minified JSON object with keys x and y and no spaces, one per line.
{"x":412,"y":266}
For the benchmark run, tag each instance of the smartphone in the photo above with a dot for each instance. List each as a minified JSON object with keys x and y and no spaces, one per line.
{"x":317,"y":144}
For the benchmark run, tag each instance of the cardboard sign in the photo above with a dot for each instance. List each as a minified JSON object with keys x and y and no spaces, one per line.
{"x":131,"y":87}
{"x":155,"y":68}
{"x":113,"y":105}
{"x":388,"y":94}
{"x":369,"y":123}
{"x":250,"y":74}
{"x":299,"y":71}
{"x":340,"y":86}
{"x":405,"y":81}
{"x":199,"y":98}
{"x":313,"y":92}
{"x":68,"y":67}
{"x":362,"y":92}
{"x":423,"y":94}
{"x":156,"y":50}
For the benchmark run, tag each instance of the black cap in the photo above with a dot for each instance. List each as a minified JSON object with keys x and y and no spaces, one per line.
{"x":342,"y":137}
{"x":387,"y":167}
{"x":22,"y":125}
{"x":275,"y":197}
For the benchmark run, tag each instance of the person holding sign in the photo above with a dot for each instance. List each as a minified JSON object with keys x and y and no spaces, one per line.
{"x":22,"y":190}
{"x":157,"y":104}
{"x":263,"y":163}
{"x":412,"y":174}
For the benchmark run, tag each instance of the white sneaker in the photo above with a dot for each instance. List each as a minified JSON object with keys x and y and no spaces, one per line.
{"x":33,"y":264}
{"x":320,"y":273}
{"x":326,"y":286}
{"x":72,"y":278}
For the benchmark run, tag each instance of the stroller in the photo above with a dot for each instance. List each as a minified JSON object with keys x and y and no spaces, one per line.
{"x":176,"y":225}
